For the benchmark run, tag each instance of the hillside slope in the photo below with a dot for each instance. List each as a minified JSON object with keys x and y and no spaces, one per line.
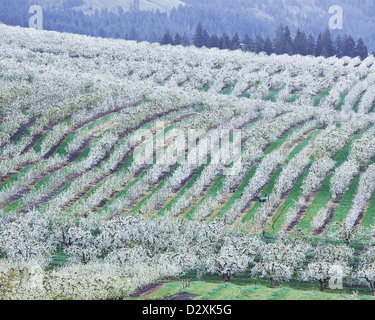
{"x":125,"y":163}
{"x":70,"y":106}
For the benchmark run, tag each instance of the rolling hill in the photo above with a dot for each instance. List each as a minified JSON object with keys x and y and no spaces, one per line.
{"x":78,"y":113}
{"x":310,"y":114}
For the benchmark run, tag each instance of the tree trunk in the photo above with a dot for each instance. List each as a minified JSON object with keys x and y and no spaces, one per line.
{"x":272,"y":283}
{"x":321,"y":286}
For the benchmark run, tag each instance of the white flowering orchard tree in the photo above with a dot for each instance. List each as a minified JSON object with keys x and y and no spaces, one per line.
{"x":280,"y":259}
{"x":365,"y":191}
{"x":234,"y":256}
{"x":26,"y":239}
{"x":228,"y":262}
{"x":365,"y":272}
{"x":328,"y":262}
{"x":320,"y":219}
{"x":341,"y":231}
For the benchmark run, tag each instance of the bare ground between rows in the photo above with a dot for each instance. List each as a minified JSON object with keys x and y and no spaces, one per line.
{"x":187,"y":180}
{"x":113,"y":172}
{"x":251,"y":202}
{"x":146,"y":290}
{"x":181,"y":296}
{"x":70,"y":179}
{"x":73,"y":131}
{"x":332,"y":205}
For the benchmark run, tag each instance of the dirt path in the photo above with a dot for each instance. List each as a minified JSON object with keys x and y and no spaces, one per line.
{"x":145,"y":291}
{"x":182,"y":296}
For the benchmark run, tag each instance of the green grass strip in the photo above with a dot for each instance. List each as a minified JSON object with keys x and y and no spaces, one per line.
{"x":184,"y":189}
{"x":38,"y":145}
{"x":303,"y":145}
{"x":278,"y":219}
{"x":272,"y":95}
{"x":275,"y":145}
{"x":268,"y":189}
{"x":355,"y":107}
{"x":372,"y":108}
{"x":341,"y":102}
{"x":17,"y":205}
{"x":124,"y":192}
{"x":320,"y":96}
{"x":238,"y":193}
{"x":153,"y":190}
{"x":213,"y":192}
{"x":347,"y":200}
{"x":294,"y":194}
{"x":229,"y":89}
{"x":294,"y":96}
{"x":207,"y":87}
{"x":324,"y":194}
{"x":205,"y":290}
{"x":369,"y":216}
{"x":319,"y":202}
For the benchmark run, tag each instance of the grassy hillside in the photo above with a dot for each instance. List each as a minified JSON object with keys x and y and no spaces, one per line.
{"x":94,"y":138}
{"x":252,"y":93}
{"x":199,"y":290}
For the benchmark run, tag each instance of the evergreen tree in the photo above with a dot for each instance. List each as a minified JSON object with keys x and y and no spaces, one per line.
{"x":268,"y":47}
{"x":225,"y":42}
{"x":348,"y":47}
{"x":287,"y":41}
{"x":259,"y":43}
{"x":278,"y":42}
{"x":199,"y":36}
{"x":235,"y":42}
{"x":300,"y":43}
{"x":167,"y":39}
{"x":213,"y":41}
{"x":177,"y":39}
{"x":339,"y":46}
{"x":319,"y":46}
{"x":248,"y":43}
{"x":327,"y":43}
{"x":324,"y":52}
{"x":185,"y":41}
{"x":361,"y":50}
{"x":311,"y":45}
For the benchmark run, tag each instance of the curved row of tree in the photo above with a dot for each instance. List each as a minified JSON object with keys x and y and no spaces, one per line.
{"x":107,"y":256}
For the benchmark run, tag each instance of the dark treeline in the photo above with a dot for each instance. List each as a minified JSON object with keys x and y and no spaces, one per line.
{"x":282,"y":43}
{"x":244,"y":27}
